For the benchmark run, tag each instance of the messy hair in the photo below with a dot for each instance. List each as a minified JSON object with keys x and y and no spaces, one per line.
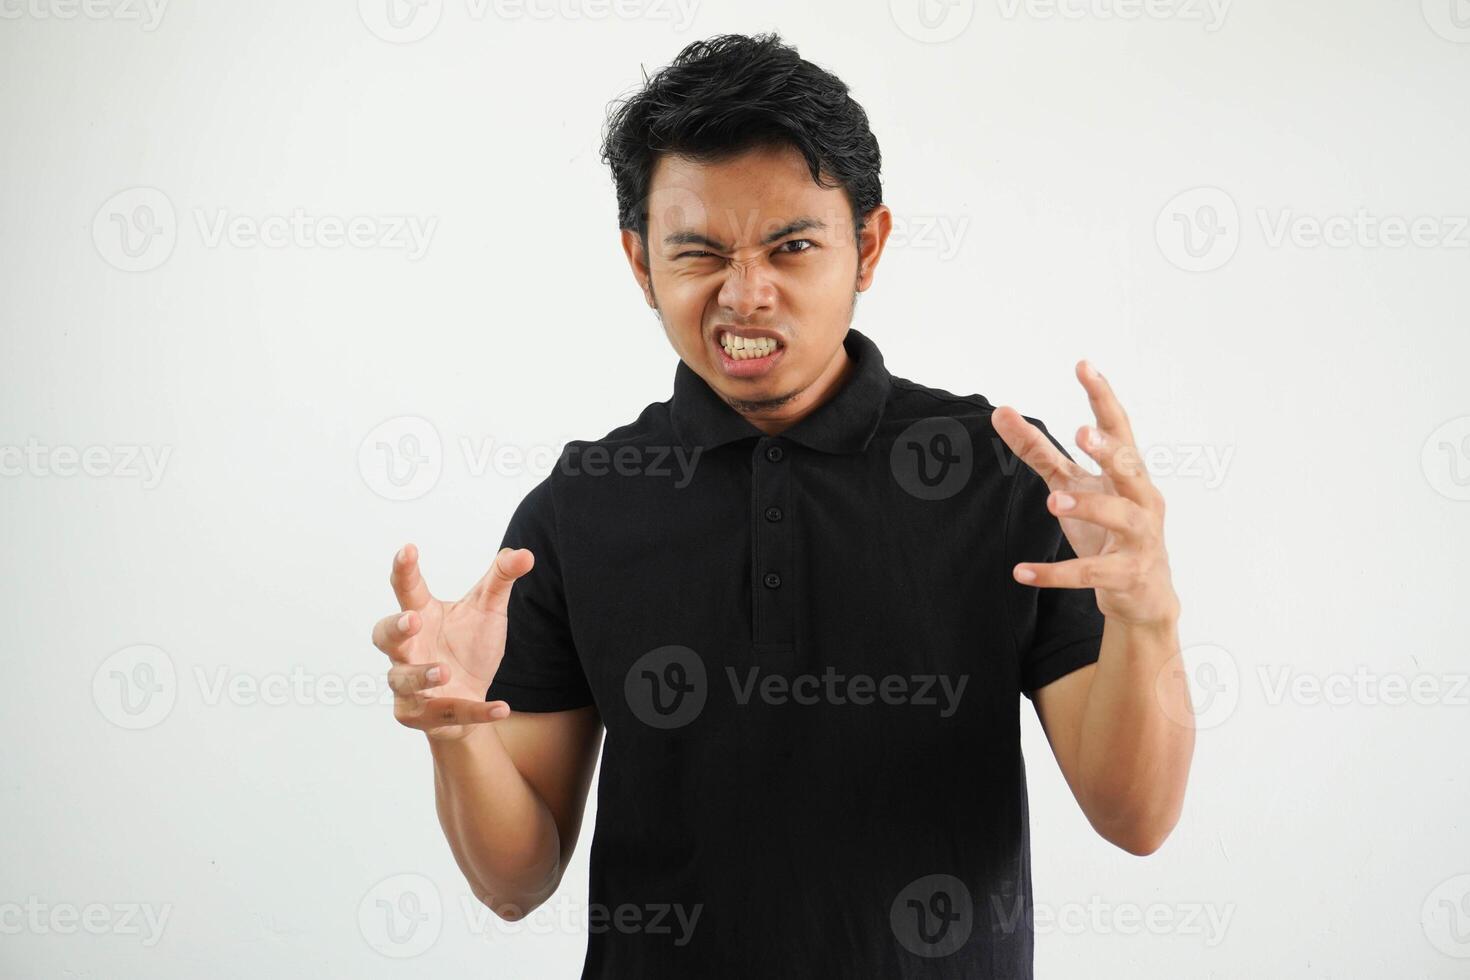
{"x":731,"y":93}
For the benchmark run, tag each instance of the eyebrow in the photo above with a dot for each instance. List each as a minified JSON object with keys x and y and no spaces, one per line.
{"x":694,"y":238}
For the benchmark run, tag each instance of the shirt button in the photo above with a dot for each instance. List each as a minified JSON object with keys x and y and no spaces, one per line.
{"x":773,"y":581}
{"x":774,"y":453}
{"x":773,"y":514}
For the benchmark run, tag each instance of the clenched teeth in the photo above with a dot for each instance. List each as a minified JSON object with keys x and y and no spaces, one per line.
{"x":743,"y":348}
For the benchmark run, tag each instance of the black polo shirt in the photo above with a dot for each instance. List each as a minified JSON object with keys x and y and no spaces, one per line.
{"x":808,"y":653}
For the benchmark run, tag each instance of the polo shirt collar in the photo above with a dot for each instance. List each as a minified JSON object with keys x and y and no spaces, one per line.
{"x":843,"y":424}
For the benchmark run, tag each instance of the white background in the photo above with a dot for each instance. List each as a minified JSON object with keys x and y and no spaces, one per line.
{"x":1306,"y":403}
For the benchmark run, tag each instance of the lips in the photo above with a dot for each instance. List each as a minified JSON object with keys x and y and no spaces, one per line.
{"x":747,"y":352}
{"x":741,"y":344}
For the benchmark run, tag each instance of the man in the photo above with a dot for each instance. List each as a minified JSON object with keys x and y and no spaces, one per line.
{"x":802,"y":597}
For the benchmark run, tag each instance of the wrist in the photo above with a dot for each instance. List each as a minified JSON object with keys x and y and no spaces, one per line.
{"x":1161,"y":623}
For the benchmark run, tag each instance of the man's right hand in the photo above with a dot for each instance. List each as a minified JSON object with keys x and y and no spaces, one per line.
{"x":445,"y":654}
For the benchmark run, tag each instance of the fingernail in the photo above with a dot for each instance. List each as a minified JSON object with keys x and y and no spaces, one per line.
{"x":433,"y":674}
{"x":1065,"y":501}
{"x":1091,"y":371}
{"x":403,"y":621}
{"x":1025,"y":575}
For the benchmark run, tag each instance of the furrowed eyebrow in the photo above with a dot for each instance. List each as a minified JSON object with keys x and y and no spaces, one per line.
{"x":694,"y":238}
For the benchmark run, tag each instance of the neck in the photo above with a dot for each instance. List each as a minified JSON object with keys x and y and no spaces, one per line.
{"x":809,"y":399}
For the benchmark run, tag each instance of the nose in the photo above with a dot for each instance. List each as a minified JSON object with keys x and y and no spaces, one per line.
{"x":747,"y":290}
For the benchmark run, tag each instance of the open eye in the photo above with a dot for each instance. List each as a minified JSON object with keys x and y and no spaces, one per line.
{"x":800,"y":241}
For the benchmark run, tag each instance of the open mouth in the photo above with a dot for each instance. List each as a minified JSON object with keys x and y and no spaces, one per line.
{"x":739,"y":348}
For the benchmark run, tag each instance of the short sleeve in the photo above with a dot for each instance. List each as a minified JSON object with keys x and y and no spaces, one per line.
{"x":541,"y":670}
{"x":1057,"y":630}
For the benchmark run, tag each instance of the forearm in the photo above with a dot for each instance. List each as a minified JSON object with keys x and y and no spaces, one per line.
{"x":502,"y":834}
{"x":1137,"y":736}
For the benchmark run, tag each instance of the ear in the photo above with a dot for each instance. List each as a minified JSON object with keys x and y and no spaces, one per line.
{"x":638,"y":262}
{"x":873,"y":236}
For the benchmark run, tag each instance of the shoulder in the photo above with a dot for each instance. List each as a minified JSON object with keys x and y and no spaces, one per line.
{"x":910,"y":402}
{"x":652,"y":427}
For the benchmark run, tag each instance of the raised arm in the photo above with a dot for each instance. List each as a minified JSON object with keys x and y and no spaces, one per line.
{"x":510,"y":787}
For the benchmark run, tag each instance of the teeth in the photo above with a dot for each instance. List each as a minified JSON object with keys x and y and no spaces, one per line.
{"x":744,"y":348}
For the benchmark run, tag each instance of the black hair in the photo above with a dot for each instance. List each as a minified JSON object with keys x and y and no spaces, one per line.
{"x":731,"y":93}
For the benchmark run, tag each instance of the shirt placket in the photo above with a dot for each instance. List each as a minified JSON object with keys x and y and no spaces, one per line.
{"x":773,"y":585}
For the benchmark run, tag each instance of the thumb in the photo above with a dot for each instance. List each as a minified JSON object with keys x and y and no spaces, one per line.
{"x":492,"y":592}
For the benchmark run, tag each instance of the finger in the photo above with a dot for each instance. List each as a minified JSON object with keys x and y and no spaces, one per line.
{"x":1121,"y":462}
{"x":392,"y":634}
{"x":408,"y":583}
{"x":1114,"y":572}
{"x":492,"y":592}
{"x":1118,"y":514}
{"x":430,"y":713}
{"x":1033,"y":447}
{"x":408,"y":679}
{"x":1106,"y":407}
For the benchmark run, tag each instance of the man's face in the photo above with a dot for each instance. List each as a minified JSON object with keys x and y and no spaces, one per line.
{"x":754,"y":271}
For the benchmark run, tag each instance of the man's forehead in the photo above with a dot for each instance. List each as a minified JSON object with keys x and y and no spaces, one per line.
{"x":757,"y":197}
